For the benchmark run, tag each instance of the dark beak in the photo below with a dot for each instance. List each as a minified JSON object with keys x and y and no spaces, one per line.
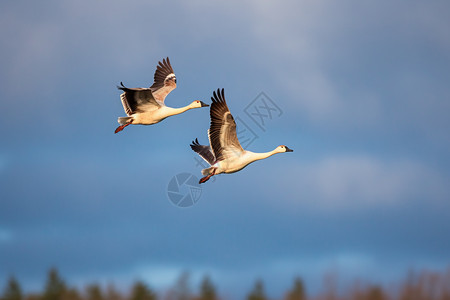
{"x":288,"y":150}
{"x":204,"y":104}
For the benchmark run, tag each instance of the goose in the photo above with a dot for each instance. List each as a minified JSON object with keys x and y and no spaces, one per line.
{"x":225,"y":154}
{"x":145,"y":106}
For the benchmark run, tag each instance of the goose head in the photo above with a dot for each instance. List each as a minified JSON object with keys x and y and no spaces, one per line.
{"x":197,"y":104}
{"x":282,"y":149}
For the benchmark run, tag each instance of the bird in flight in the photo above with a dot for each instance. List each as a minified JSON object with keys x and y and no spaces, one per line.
{"x":225,"y":154}
{"x":145,"y":106}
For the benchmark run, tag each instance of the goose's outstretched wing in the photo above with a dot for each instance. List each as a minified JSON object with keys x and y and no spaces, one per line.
{"x":204,"y":152}
{"x":164,"y":80}
{"x":137,"y":100}
{"x":222,"y":131}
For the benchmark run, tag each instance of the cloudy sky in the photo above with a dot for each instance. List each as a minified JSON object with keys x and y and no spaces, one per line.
{"x":362,"y":91}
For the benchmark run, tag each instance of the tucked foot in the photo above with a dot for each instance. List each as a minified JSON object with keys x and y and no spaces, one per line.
{"x":121,"y":127}
{"x":205,"y":179}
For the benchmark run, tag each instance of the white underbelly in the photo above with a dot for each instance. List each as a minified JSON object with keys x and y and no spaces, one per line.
{"x":231,"y":166}
{"x":148,"y":118}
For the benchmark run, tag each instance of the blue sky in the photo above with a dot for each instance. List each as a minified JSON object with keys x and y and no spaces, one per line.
{"x":364,"y":94}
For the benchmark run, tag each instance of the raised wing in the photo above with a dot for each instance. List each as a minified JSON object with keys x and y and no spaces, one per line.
{"x":222,"y":131}
{"x":164,"y":80}
{"x":204,"y":152}
{"x":137,"y":100}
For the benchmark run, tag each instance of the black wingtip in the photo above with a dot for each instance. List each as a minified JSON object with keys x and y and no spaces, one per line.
{"x":122,"y":87}
{"x":194,"y":143}
{"x":219,"y":96}
{"x":165,"y":64}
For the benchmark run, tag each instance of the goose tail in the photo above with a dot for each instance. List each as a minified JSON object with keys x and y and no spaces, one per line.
{"x":124,"y":120}
{"x":208,"y":171}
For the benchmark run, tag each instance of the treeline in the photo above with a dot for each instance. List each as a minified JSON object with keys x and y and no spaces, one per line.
{"x":417,"y":286}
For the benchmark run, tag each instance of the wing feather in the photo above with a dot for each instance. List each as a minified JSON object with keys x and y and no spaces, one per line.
{"x":204,"y":152}
{"x":137,"y":100}
{"x":222,"y":131}
{"x":165,"y":80}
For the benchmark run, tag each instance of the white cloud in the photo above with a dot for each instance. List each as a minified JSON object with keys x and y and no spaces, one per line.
{"x":161,"y":276}
{"x":352,"y":262}
{"x":297,"y":41}
{"x":360,"y":183}
{"x":339,"y":62}
{"x":45,"y":52}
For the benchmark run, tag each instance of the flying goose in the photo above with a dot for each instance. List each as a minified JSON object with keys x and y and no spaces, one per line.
{"x":225,"y":154}
{"x":146,"y":106}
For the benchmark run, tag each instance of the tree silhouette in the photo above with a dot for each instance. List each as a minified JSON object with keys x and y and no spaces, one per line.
{"x":112,"y":293}
{"x":94,"y":292}
{"x":424,"y":285}
{"x":72,"y":294}
{"x":12,"y":290}
{"x":297,"y":292}
{"x":55,"y":288}
{"x":140,"y":291}
{"x":375,"y":293}
{"x":181,"y":290}
{"x":207,"y":290}
{"x":258,"y":292}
